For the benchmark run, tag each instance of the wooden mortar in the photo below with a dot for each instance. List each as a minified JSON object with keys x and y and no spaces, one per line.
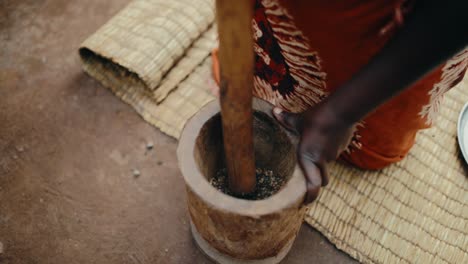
{"x":231,"y":230}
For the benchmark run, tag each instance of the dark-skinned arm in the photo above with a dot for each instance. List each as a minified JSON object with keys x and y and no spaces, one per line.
{"x":435,"y":31}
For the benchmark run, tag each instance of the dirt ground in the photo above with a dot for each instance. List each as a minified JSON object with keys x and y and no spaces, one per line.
{"x":68,"y":148}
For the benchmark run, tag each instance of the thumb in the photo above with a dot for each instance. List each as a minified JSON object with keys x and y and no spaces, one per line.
{"x":286,"y":119}
{"x":313,"y":175}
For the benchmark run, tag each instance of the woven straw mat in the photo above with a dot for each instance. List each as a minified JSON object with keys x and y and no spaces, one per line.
{"x":157,"y":60}
{"x":148,"y":37}
{"x":415,"y":211}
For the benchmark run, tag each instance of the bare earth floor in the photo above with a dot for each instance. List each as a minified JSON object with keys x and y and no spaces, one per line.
{"x":68,"y":148}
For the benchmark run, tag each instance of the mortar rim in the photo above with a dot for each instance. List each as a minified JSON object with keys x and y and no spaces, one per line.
{"x":291,"y":195}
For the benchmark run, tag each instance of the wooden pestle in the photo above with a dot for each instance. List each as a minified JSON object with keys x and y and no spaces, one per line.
{"x":236,"y":62}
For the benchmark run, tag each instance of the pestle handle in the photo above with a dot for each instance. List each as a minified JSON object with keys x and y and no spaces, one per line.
{"x":236,"y":61}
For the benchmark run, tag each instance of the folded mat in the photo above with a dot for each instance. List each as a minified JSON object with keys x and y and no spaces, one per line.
{"x":154,"y":55}
{"x":147,"y":38}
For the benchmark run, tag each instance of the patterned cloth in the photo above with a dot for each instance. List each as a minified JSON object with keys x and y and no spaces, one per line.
{"x":295,"y":68}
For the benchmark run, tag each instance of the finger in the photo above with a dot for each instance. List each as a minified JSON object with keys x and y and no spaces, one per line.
{"x":313,"y":177}
{"x":312,"y":194}
{"x":286,"y":119}
{"x":324,"y":173}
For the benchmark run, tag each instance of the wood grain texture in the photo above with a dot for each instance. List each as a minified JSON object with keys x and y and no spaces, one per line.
{"x":242,"y":229}
{"x":236,"y":63}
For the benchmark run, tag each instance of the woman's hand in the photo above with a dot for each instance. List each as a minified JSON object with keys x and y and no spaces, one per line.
{"x":323,"y":136}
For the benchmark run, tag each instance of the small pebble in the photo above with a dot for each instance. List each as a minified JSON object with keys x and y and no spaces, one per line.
{"x":166,"y":250}
{"x":149,"y":145}
{"x":136,"y":173}
{"x":159,"y":162}
{"x":20,"y":148}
